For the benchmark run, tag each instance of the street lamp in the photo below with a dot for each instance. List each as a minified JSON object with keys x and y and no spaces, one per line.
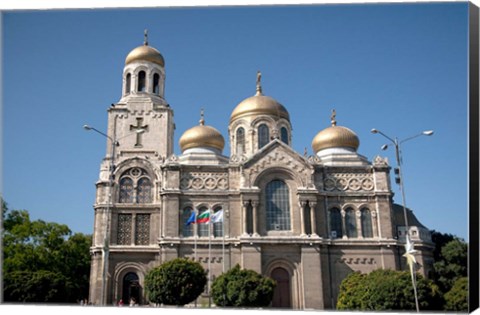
{"x":111,"y":168}
{"x":409,"y":250}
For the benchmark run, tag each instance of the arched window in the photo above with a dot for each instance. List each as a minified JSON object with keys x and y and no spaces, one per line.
{"x":202,"y":227}
{"x":284,"y":135}
{"x":141,"y":82}
{"x":306,"y":219}
{"x":351,"y":222}
{"x":156,"y":83}
{"x":126,"y":190}
{"x":277,"y":206}
{"x":218,"y":226}
{"x":335,"y":223}
{"x":187,"y":229}
{"x":144,"y":190}
{"x":128,"y":83}
{"x":135,"y":187}
{"x":249,"y":218}
{"x":263,"y":135}
{"x":366,"y":219}
{"x":240,"y":141}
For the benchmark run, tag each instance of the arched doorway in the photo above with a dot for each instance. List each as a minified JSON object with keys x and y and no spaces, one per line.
{"x":282,"y":293}
{"x":131,"y":288}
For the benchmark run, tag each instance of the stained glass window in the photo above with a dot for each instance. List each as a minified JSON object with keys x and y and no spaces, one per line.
{"x":284,"y":135}
{"x":202,"y":227}
{"x":156,"y":83}
{"x":351,"y":222}
{"x":240,"y":141}
{"x":142,"y":229}
{"x":306,"y":220}
{"x":141,"y":82}
{"x":335,"y":223}
{"x":135,"y":187}
{"x":144,"y":190}
{"x":124,"y":229}
{"x":126,"y":190}
{"x":187,"y":229}
{"x":277,"y":206}
{"x":366,"y":219}
{"x":128,"y":82}
{"x":263,"y":135}
{"x":218,"y":227}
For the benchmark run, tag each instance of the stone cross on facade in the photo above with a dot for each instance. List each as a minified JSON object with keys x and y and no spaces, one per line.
{"x":137,"y":128}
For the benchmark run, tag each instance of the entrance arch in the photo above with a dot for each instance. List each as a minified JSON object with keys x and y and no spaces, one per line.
{"x":131,"y":288}
{"x":282,"y":293}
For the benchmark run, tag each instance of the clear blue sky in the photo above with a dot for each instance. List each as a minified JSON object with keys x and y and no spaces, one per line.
{"x":400,"y":68}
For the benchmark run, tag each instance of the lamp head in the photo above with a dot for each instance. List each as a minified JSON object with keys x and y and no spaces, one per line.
{"x":374,"y":130}
{"x":87,"y":127}
{"x":384,"y":147}
{"x":428,"y":132}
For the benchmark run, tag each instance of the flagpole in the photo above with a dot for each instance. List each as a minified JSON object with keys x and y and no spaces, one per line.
{"x":209,"y":257}
{"x":195,"y":230}
{"x":223,"y":242}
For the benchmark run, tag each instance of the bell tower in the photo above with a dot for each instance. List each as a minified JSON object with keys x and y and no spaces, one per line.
{"x":142,"y":109}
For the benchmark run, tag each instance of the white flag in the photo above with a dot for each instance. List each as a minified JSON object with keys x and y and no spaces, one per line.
{"x":217,"y":217}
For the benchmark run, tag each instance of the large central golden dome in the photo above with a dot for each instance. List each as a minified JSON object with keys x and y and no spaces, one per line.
{"x":335,"y":137}
{"x":201,"y":136}
{"x":259,"y":104}
{"x":145,"y":53}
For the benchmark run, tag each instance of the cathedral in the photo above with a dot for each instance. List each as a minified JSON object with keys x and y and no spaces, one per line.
{"x":305,"y":221}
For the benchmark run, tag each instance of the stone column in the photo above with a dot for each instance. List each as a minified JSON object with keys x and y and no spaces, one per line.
{"x":358,"y":217}
{"x":313,"y":222}
{"x":133,"y":228}
{"x":254,"y":217}
{"x":374,"y":223}
{"x":344,"y":227}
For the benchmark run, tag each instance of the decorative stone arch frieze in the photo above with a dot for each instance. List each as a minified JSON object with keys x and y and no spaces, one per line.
{"x":124,"y":165}
{"x":292,"y":179}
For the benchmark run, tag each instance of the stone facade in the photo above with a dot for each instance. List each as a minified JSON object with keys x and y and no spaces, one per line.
{"x":305,"y":221}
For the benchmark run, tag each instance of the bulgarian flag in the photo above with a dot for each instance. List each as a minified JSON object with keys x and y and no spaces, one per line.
{"x":204,"y":217}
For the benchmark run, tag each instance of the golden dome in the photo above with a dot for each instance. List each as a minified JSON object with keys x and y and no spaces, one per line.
{"x":145,"y":53}
{"x":334,"y":137}
{"x":201,"y":136}
{"x":259,"y":104}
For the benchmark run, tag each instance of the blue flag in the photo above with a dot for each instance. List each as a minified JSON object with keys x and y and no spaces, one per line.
{"x":191,"y":219}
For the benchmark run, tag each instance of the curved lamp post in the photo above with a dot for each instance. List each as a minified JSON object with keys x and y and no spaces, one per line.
{"x":111,"y":168}
{"x":409,"y":250}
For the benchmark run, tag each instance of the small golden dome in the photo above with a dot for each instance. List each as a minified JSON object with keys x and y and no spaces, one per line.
{"x":201,"y":136}
{"x":145,"y":53}
{"x":259,"y":104}
{"x":334,"y":137}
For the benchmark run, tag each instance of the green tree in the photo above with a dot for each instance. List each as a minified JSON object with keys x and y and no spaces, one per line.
{"x":451,"y":264}
{"x":386,"y":290}
{"x":457,"y":298}
{"x":43,"y":261}
{"x":175,"y":282}
{"x":242,"y":288}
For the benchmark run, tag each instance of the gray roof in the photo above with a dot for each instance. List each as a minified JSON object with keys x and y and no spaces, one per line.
{"x":399,"y":219}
